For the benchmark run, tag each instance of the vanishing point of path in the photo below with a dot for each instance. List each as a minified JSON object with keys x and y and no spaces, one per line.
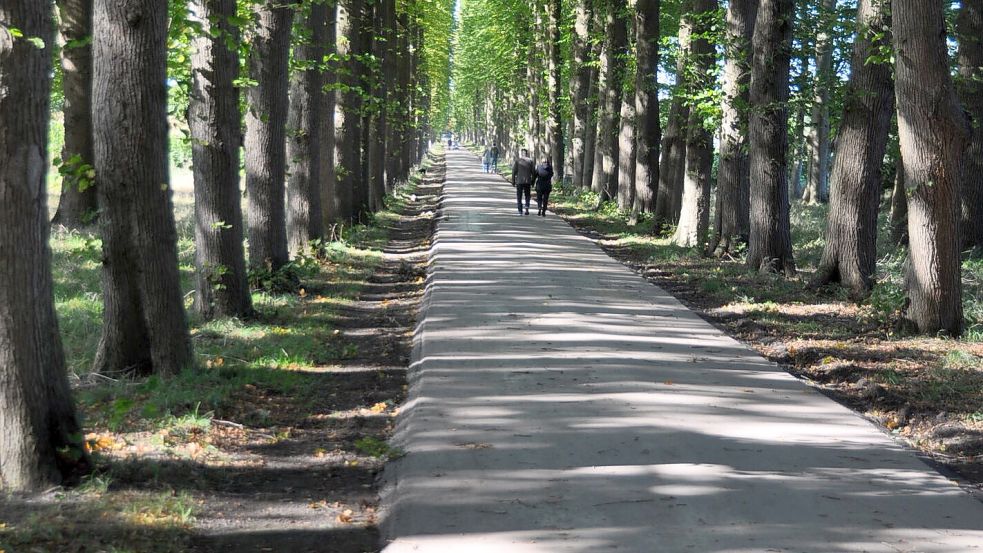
{"x":559,"y":402}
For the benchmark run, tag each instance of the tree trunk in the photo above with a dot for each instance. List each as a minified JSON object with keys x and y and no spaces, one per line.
{"x":42,"y":438}
{"x":850,"y":254}
{"x":899,"y":208}
{"x":348,"y":129}
{"x":376,"y":177}
{"x":673,"y":151}
{"x":144,"y":323}
{"x":819,"y":131}
{"x":605,"y":181}
{"x":694,"y":213}
{"x":933,"y":134}
{"x":647,"y":126}
{"x":328,"y":178}
{"x":555,"y":68}
{"x":390,"y":68}
{"x":78,"y":205}
{"x":222,"y":289}
{"x":626,"y":152}
{"x":731,"y":224}
{"x":770,"y":244}
{"x":580,"y":87}
{"x":266,"y":151}
{"x":593,"y":101}
{"x":304,"y":222}
{"x":366,"y":84}
{"x":970,"y":32}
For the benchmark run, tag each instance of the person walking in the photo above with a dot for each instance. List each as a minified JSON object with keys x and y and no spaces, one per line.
{"x":544,"y":184}
{"x":487,"y":159}
{"x":494,"y":153}
{"x":523,"y":172}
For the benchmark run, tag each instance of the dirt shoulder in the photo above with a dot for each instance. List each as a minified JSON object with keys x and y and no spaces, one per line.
{"x":276,"y":444}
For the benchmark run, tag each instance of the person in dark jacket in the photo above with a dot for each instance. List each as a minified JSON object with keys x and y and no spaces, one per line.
{"x":523,"y":173}
{"x":544,"y":185}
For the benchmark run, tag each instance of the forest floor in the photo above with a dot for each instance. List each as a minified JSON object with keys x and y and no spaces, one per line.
{"x":927,"y":392}
{"x":276,"y":443}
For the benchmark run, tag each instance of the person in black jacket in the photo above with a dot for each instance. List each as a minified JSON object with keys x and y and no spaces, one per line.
{"x":523,"y":173}
{"x":544,"y":185}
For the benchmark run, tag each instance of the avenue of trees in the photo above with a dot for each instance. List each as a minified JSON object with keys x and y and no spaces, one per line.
{"x":655,"y":104}
{"x":315,"y":109}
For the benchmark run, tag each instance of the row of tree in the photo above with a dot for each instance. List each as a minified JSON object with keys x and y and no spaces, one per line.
{"x":324,"y":108}
{"x":733,"y":82}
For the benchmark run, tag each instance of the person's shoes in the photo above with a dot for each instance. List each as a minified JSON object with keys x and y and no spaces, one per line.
{"x":527,"y":212}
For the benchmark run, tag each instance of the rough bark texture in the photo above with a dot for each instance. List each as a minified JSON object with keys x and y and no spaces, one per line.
{"x":626,"y":153}
{"x":304,"y":222}
{"x":266,"y":151}
{"x":144,"y":323}
{"x":770,"y":244}
{"x":554,"y":126}
{"x":731,"y":225}
{"x":850,"y":254}
{"x":348,"y":130}
{"x":378,"y":125}
{"x":818,"y":137}
{"x":933,"y":134}
{"x":605,"y":181}
{"x":579,"y":86}
{"x":673,"y":150}
{"x":41,"y":433}
{"x":76,"y":208}
{"x":593,"y":101}
{"x":694,"y":213}
{"x":222,"y":289}
{"x":327,"y":98}
{"x":899,"y":208}
{"x":647,"y":125}
{"x":390,"y":69}
{"x":970,"y":33}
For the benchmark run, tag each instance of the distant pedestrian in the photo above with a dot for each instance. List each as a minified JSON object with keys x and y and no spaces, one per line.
{"x":494,"y":153}
{"x":523,"y":172}
{"x":450,"y":143}
{"x":544,"y":184}
{"x":487,"y":159}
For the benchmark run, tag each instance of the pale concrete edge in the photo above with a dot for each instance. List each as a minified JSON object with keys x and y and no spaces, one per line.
{"x":389,"y":477}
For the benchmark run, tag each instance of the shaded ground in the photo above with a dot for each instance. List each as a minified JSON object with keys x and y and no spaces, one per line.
{"x":275,"y":445}
{"x":927,"y":392}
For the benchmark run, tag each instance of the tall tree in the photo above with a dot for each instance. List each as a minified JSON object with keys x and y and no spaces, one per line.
{"x":214,"y":120}
{"x":626,"y":147}
{"x":647,"y":128}
{"x":605,"y":181}
{"x":593,"y":95}
{"x":818,"y":138}
{"x":327,"y":177}
{"x":144,"y":324}
{"x":348,"y":130}
{"x":850,"y":253}
{"x":554,"y":70}
{"x":933,"y":134}
{"x":731,"y":224}
{"x":41,"y":433}
{"x":969,"y":26}
{"x":770,"y":244}
{"x":673,"y":150}
{"x":304,"y":221}
{"x":378,"y":124}
{"x":580,"y":85}
{"x":694,"y":215}
{"x":265,"y":144}
{"x":78,"y":204}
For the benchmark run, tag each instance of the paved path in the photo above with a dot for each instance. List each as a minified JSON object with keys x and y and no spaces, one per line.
{"x":559,"y":402}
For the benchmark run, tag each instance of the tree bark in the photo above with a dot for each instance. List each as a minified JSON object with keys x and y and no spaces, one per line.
{"x":378,"y":117}
{"x":266,"y":150}
{"x":605,"y":181}
{"x":580,"y":87}
{"x":390,"y":69}
{"x":969,"y":27}
{"x":42,"y":437}
{"x":819,"y":131}
{"x":222,"y":289}
{"x":850,"y":253}
{"x":327,"y":97}
{"x":673,"y":150}
{"x":144,"y":324}
{"x":694,"y":214}
{"x":78,"y":205}
{"x":899,"y":208}
{"x":593,"y":99}
{"x":626,"y":151}
{"x":348,"y":129}
{"x":770,"y":244}
{"x":933,"y":133}
{"x":731,"y":224}
{"x":648,"y":129}
{"x":304,"y":220}
{"x":554,"y":68}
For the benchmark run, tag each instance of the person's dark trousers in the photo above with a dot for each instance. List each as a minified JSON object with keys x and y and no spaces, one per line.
{"x":523,"y":190}
{"x":543,"y":199}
